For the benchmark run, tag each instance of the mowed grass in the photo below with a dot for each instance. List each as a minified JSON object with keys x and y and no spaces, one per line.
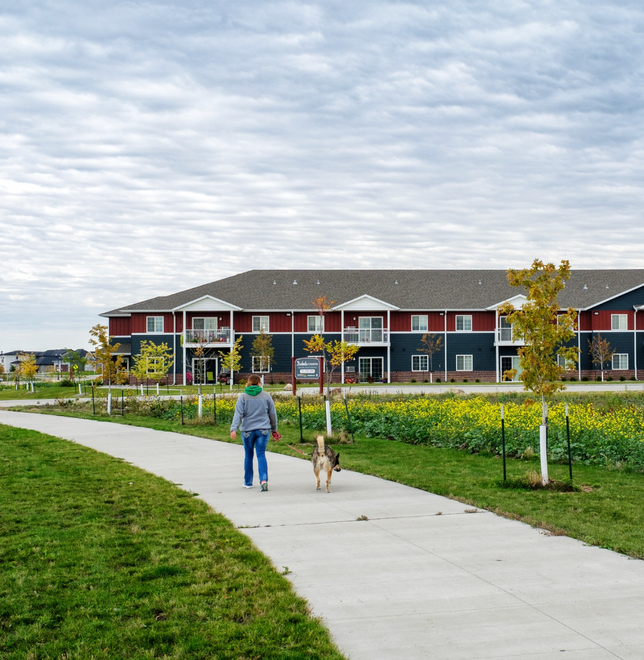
{"x":102,"y":560}
{"x":606,"y":508}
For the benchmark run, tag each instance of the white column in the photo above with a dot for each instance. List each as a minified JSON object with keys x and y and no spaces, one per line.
{"x":635,"y":342}
{"x":342,"y":339}
{"x":496,"y":345}
{"x":389,"y":346}
{"x":445,"y":332}
{"x":184,"y":348}
{"x":579,"y":344}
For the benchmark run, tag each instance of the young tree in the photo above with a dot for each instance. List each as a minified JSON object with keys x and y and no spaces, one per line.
{"x":600,"y":351}
{"x":544,"y":332}
{"x":263,"y":351}
{"x":76,"y":362}
{"x":231,"y":360}
{"x":430,"y":344}
{"x":27,"y":368}
{"x":105,"y":355}
{"x":153,"y":362}
{"x":335,"y":353}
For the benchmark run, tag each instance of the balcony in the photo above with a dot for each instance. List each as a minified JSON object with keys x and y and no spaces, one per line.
{"x":366,"y":336}
{"x":504,"y":337}
{"x":208,"y":338}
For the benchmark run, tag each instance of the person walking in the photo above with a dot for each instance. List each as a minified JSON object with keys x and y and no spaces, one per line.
{"x":255,"y":411}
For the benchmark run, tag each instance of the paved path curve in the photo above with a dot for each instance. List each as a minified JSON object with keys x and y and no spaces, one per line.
{"x":421,"y":578}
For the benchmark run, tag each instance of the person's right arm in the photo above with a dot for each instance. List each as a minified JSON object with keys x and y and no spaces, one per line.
{"x":239,"y":413}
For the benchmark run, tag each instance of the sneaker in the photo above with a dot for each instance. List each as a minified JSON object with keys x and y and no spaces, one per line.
{"x":245,"y":486}
{"x":263,"y":486}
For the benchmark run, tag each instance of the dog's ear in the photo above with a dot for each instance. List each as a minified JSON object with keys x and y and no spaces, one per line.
{"x":337,"y":459}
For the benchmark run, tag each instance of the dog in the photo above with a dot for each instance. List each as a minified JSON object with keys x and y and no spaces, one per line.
{"x":324,"y":458}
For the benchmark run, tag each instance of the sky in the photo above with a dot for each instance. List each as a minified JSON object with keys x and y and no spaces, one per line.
{"x":148,"y":147}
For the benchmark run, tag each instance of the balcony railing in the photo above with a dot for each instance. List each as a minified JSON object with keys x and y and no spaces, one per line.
{"x":505,"y":337}
{"x":365,"y":336}
{"x":209,"y":337}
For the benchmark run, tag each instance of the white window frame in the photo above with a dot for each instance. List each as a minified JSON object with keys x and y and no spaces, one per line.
{"x":568,"y":365}
{"x":264,"y":366}
{"x":463,"y":362}
{"x":422,"y":322}
{"x":315,"y":323}
{"x":465,"y":319}
{"x":619,"y":321}
{"x":621,"y":357}
{"x":419,"y":359}
{"x":261,"y":323}
{"x":207,"y":320}
{"x":157,"y":324}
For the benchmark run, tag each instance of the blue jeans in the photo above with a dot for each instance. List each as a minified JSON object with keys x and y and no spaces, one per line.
{"x":255,"y":442}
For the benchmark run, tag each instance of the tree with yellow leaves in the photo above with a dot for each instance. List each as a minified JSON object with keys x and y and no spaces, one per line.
{"x":335,"y":353}
{"x":545,"y":332}
{"x":105,"y":357}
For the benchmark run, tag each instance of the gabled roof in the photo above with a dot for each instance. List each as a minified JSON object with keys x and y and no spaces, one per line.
{"x":466,"y":290}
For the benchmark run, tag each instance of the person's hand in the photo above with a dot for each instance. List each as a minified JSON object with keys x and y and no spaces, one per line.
{"x":233,"y":435}
{"x":276,"y":436}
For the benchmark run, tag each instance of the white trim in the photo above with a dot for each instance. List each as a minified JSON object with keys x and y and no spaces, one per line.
{"x":224,"y":306}
{"x":462,"y":316}
{"x":421,"y":356}
{"x":512,"y":301}
{"x":619,"y":355}
{"x":317,"y":317}
{"x":155,"y":331}
{"x":619,"y":316}
{"x":464,"y":356}
{"x":365,"y":297}
{"x":617,"y":295}
{"x":419,"y":316}
{"x":260,"y":370}
{"x":268,"y":323}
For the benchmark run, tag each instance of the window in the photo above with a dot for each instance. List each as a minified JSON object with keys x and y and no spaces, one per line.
{"x":619,"y":321}
{"x":155,"y":324}
{"x":261,"y":364}
{"x":505,"y":329}
{"x":565,"y":364}
{"x":463,"y":323}
{"x":620,"y":361}
{"x":207,"y":323}
{"x":420,"y":363}
{"x":260,"y":323}
{"x":419,"y":323}
{"x":463,"y":363}
{"x":316,"y":323}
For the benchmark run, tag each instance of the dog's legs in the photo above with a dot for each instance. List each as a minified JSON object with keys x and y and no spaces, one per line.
{"x":317,"y":476}
{"x":329,"y":472}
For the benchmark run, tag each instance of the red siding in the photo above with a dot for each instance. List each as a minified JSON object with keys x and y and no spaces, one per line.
{"x":119,"y":327}
{"x":351,"y":319}
{"x":601,"y":319}
{"x":401,"y":321}
{"x":640,"y":320}
{"x":481,"y":321}
{"x":139,"y":323}
{"x":277,"y":321}
{"x":586,"y":321}
{"x":223,"y":318}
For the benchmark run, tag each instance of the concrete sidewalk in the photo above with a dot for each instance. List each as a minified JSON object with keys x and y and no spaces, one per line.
{"x":423,"y":577}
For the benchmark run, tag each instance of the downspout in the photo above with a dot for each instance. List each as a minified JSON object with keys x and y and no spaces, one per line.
{"x":579,"y":344}
{"x":292,"y":345}
{"x":342,"y":342}
{"x":445,"y":333}
{"x":389,"y":346}
{"x":635,"y":341}
{"x":174,"y":346}
{"x":184,"y":347}
{"x":496,"y":344}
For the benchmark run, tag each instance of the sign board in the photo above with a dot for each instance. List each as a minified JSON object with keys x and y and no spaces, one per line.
{"x":307,"y":368}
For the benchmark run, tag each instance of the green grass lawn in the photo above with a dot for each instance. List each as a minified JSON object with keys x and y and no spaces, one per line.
{"x":608,"y":511}
{"x":100,"y":559}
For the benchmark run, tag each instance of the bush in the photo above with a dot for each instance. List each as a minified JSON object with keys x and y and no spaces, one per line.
{"x":609,"y":378}
{"x":413,"y":380}
{"x":438,"y":380}
{"x":67,"y":382}
{"x":452,"y":380}
{"x":573,"y":379}
{"x":585,"y":379}
{"x":477,"y":380}
{"x":465,"y":380}
{"x":632,"y":378}
{"x":425,"y":381}
{"x":622,"y":378}
{"x":598,"y":378}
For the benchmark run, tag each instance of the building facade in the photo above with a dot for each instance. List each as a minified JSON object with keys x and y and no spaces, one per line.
{"x":386,"y":313}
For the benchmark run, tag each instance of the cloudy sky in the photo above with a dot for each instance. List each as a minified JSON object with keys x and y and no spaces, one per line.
{"x":150,"y":146}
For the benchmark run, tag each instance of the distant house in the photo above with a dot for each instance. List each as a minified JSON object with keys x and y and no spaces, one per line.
{"x":385,"y":313}
{"x":51,"y":360}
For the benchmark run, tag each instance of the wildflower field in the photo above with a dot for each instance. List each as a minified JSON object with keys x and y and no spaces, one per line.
{"x":603,"y":431}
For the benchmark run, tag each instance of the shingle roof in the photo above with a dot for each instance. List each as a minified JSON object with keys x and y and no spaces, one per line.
{"x":406,"y":289}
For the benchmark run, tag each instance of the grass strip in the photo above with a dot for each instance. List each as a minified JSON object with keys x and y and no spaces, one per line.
{"x":606,"y":507}
{"x":100,"y":559}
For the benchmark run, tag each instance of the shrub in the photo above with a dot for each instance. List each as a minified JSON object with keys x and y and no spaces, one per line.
{"x":425,"y":381}
{"x":465,"y":380}
{"x":438,"y":380}
{"x":585,"y":379}
{"x":598,"y":378}
{"x":413,"y":380}
{"x":452,"y":380}
{"x":477,"y":380}
{"x":67,"y":382}
{"x":609,"y":378}
{"x":622,"y":377}
{"x":632,"y":378}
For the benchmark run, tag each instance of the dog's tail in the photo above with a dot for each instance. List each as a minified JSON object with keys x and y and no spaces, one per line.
{"x":320,"y":440}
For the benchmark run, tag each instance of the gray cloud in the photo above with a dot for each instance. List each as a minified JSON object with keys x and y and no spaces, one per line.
{"x":148,"y":147}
